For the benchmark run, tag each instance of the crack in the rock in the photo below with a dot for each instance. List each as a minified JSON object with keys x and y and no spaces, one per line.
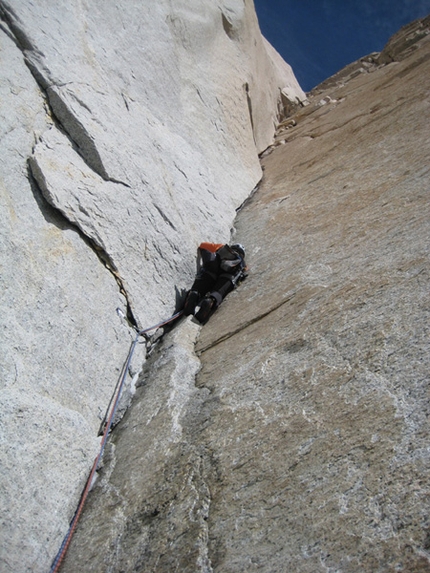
{"x":83,"y":144}
{"x":60,"y":112}
{"x":249,"y":103}
{"x":250,"y":197}
{"x":164,"y":217}
{"x":98,"y":249}
{"x":76,"y":131}
{"x":15,"y":31}
{"x":243,"y":326}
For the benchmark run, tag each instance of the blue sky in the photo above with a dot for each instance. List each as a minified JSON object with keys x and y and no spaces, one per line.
{"x":319,"y":37}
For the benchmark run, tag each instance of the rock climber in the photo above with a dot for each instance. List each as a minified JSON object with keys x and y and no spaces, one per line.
{"x":220,"y":269}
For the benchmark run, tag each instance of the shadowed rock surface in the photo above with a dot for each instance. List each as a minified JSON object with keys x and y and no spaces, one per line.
{"x":300,"y":443}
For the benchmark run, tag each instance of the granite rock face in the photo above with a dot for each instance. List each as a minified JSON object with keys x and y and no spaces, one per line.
{"x":58,"y":308}
{"x":129,"y":133}
{"x":159,"y":117}
{"x":301,"y":444}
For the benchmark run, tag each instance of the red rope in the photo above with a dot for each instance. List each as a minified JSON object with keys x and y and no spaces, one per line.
{"x":68,"y":538}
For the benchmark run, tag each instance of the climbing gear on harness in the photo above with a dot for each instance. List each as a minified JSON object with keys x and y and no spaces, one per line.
{"x":238,"y":277}
{"x":219,"y":269}
{"x":109,"y":420}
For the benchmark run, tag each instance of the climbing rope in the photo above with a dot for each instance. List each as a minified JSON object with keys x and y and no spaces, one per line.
{"x":108,"y":420}
{"x":162,"y":323}
{"x":140,"y":333}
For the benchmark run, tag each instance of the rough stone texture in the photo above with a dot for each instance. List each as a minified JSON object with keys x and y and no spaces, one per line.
{"x":129,"y":133}
{"x":302,"y":444}
{"x":58,"y":309}
{"x":152,"y":449}
{"x":168,"y":105}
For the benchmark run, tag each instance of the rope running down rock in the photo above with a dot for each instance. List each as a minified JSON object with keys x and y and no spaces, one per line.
{"x":68,"y":537}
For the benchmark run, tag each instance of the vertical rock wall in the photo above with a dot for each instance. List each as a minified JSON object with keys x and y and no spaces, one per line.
{"x":302,"y":442}
{"x":58,"y":307}
{"x":126,"y":139}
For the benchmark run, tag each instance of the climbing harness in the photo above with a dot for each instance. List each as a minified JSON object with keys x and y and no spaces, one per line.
{"x":107,"y":422}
